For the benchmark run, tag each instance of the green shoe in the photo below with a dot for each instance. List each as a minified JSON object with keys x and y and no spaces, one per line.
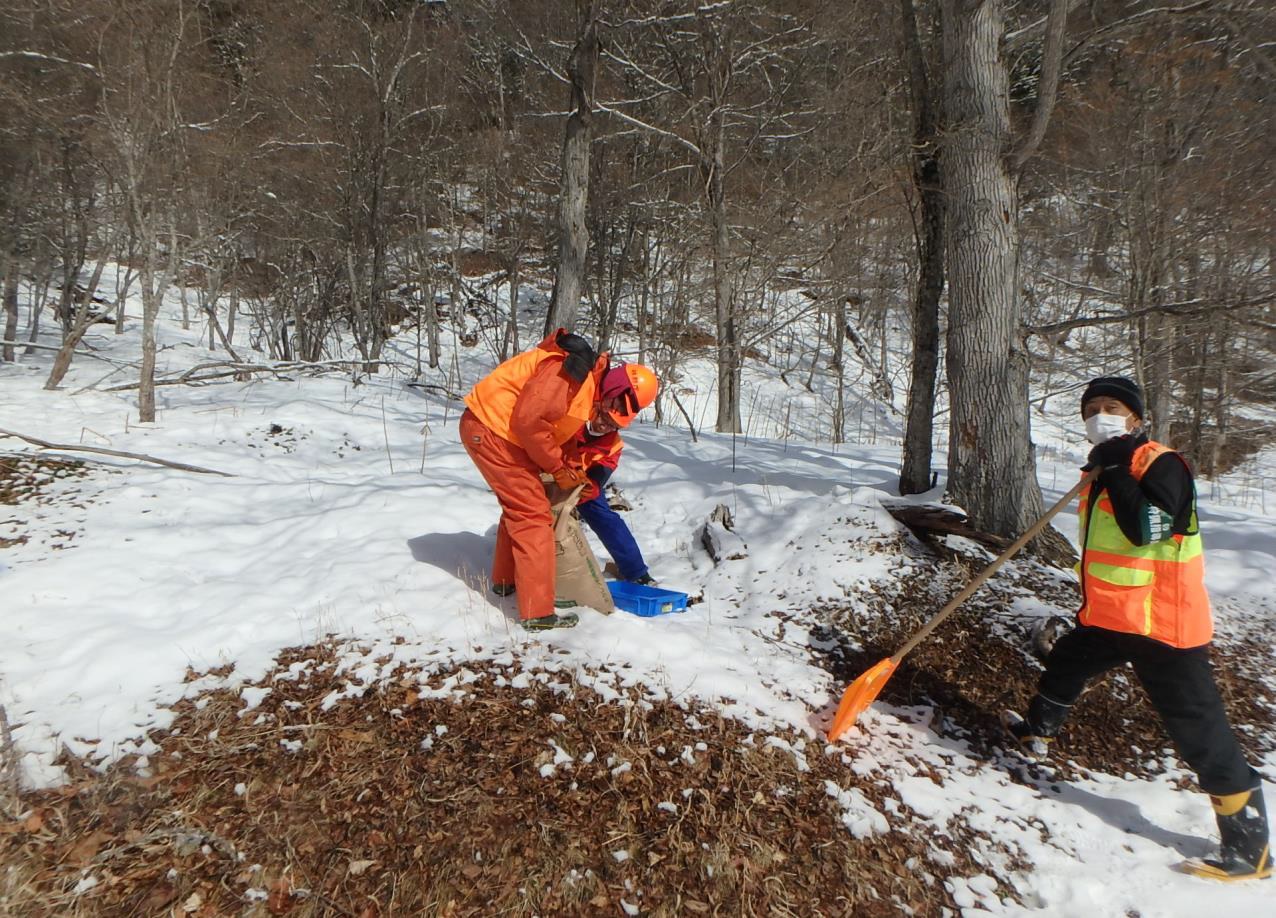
{"x":553,"y":620}
{"x":565,"y":603}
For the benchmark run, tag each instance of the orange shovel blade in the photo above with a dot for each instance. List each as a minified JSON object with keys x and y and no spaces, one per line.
{"x":859,"y":695}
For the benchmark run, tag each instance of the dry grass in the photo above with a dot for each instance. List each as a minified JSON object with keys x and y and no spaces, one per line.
{"x":10,"y":771}
{"x":371,"y":809}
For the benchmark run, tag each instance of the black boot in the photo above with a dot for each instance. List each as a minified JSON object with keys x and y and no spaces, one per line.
{"x":1034,"y":734}
{"x":1242,"y":827}
{"x":503,"y":589}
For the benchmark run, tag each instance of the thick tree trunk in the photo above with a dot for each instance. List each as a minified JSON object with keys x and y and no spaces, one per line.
{"x":992,"y":471}
{"x":915,"y":475}
{"x":573,"y":232}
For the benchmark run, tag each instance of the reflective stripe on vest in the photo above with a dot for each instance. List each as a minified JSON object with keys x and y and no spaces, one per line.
{"x":492,"y":398}
{"x":1157,"y":590}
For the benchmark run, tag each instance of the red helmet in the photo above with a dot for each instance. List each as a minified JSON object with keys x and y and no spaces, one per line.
{"x":633,"y":382}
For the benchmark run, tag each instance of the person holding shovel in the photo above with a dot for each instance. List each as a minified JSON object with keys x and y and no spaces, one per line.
{"x":517,"y":421}
{"x":1143,"y":602}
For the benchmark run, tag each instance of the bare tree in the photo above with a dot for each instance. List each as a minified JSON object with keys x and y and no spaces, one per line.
{"x":140,"y":115}
{"x":573,"y":231}
{"x":925,"y":103}
{"x":992,"y":470}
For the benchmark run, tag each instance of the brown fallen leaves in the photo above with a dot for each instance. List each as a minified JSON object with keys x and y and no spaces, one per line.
{"x":401,"y":803}
{"x":978,"y":663}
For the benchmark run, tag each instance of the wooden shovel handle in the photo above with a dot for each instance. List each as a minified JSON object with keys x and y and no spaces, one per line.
{"x":991,"y":569}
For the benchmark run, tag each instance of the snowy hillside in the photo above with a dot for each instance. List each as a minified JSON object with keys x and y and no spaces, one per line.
{"x":349,"y":517}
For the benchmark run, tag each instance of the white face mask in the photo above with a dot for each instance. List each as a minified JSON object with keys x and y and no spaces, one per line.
{"x":1099,"y":428}
{"x":591,"y":430}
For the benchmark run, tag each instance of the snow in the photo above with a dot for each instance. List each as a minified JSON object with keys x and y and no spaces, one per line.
{"x":350,"y":522}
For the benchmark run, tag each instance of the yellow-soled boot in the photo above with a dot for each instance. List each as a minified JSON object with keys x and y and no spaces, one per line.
{"x":1244,"y":853}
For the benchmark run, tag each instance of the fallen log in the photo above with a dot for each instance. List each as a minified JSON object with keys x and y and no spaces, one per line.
{"x":719,"y":538}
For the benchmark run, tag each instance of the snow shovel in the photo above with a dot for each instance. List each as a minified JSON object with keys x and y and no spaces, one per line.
{"x":864,"y":690}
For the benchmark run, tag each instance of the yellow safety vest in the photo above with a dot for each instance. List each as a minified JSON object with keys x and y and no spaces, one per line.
{"x":1158,"y":589}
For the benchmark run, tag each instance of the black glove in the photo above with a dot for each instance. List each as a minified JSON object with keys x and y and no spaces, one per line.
{"x":1113,"y":454}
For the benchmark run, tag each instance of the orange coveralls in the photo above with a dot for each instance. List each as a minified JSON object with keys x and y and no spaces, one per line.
{"x":549,"y":410}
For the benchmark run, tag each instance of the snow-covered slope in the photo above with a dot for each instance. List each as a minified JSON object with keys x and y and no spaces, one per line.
{"x":352,"y":510}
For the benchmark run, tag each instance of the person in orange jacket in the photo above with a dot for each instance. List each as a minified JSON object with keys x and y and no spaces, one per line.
{"x":518,"y":422}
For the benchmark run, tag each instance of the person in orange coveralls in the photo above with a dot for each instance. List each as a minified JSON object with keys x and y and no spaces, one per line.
{"x":517,"y":424}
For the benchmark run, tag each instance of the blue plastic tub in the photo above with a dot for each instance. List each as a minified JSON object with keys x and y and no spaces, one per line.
{"x":646,"y":600}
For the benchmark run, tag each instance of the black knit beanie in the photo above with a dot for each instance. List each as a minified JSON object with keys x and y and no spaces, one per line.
{"x":1125,"y":391}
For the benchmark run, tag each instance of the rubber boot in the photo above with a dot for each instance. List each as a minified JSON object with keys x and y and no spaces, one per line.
{"x":1034,"y":734}
{"x":1242,"y":827}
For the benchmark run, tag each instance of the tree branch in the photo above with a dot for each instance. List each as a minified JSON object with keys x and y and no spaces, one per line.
{"x":38,"y":56}
{"x":77,"y":448}
{"x":1047,"y":83}
{"x":1185,"y":308}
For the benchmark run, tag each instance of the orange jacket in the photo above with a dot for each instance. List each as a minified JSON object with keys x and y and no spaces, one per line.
{"x":598,"y":456}
{"x":1158,"y":589}
{"x":531,"y":401}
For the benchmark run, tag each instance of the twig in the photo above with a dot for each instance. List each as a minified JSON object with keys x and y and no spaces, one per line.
{"x":48,"y":347}
{"x":692,"y":426}
{"x":76,"y":448}
{"x":452,"y":396}
{"x":234,"y":368}
{"x":386,"y":430}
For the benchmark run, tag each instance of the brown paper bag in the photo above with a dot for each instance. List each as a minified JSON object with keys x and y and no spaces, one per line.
{"x":578,"y":575}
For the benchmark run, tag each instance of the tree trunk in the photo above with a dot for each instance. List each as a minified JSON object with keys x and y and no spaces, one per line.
{"x":915,"y":475}
{"x":839,"y":364}
{"x":992,"y":472}
{"x":150,"y":310}
{"x":121,"y":295}
{"x":42,"y":275}
{"x":1158,"y":336}
{"x":152,"y":297}
{"x":432,"y":326}
{"x":10,"y":308}
{"x":231,"y":312}
{"x":723,"y":295}
{"x":1221,"y":400}
{"x":509,"y":341}
{"x":573,"y":232}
